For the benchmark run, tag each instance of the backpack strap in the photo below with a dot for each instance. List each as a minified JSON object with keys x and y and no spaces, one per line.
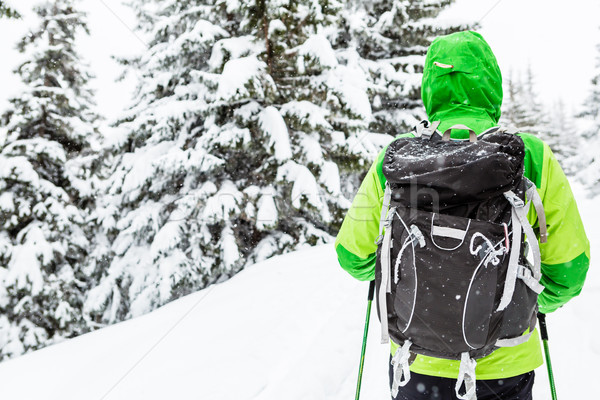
{"x":385,"y":240}
{"x":520,"y":224}
{"x":401,"y":366}
{"x":426,"y":129}
{"x":514,"y":341}
{"x":511,"y":342}
{"x":534,"y":197}
{"x":513,"y":260}
{"x":491,"y":130}
{"x":448,"y":132}
{"x":531,"y":192}
{"x":466,"y":375}
{"x":508,"y":129}
{"x":385,"y":206}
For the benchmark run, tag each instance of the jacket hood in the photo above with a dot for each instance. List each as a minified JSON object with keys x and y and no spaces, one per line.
{"x":462,"y":82}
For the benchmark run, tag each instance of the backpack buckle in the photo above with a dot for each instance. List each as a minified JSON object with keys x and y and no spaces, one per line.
{"x":514,"y":200}
{"x":426,"y":129}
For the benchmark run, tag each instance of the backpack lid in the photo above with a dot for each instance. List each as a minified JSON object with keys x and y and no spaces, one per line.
{"x":456,"y":172}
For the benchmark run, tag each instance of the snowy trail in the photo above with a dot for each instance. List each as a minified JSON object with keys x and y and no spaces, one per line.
{"x":288,"y":328}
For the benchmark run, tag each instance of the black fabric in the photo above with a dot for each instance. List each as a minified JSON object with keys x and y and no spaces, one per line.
{"x":456,"y":177}
{"x":449,"y":256}
{"x":441,"y":286}
{"x":425,"y":387}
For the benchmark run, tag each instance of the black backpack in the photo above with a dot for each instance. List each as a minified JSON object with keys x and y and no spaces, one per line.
{"x":456,"y":278}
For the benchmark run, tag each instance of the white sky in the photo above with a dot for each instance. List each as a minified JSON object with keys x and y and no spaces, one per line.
{"x":111,"y":25}
{"x":557,"y":39}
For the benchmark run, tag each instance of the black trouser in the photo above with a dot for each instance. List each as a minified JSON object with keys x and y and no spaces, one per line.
{"x":425,"y":387}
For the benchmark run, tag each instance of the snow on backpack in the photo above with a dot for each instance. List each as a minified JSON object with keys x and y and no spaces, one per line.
{"x":456,"y":277}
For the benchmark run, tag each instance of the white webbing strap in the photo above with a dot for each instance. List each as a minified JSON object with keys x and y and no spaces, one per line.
{"x":509,"y":129}
{"x":449,"y":232}
{"x":427,"y":131}
{"x":420,"y":128}
{"x":466,"y":375}
{"x":531,"y":279}
{"x":385,"y":206}
{"x":386,"y":243}
{"x":490,"y":130}
{"x":513,"y":341}
{"x":533,"y":242}
{"x":401,"y":365}
{"x":527,"y":277}
{"x":386,"y":284}
{"x":513,"y":264}
{"x":533,"y":196}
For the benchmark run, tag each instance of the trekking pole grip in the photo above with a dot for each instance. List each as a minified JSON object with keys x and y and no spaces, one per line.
{"x":371,"y":294}
{"x":543,"y":326}
{"x":544,"y":334}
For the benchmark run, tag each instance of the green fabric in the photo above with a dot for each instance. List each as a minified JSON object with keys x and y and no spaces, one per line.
{"x":561,"y":286}
{"x":502,"y":363}
{"x":361,"y":268}
{"x":470,"y":93}
{"x":534,"y":158}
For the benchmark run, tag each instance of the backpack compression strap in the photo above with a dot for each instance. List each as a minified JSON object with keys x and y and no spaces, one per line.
{"x":385,"y":240}
{"x":520,"y":224}
{"x":534,"y":197}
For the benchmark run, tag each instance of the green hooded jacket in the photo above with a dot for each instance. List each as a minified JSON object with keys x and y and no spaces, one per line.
{"x":462,"y":84}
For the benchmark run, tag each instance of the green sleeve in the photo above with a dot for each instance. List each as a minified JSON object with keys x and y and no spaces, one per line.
{"x":566,"y":254}
{"x":355,"y":242}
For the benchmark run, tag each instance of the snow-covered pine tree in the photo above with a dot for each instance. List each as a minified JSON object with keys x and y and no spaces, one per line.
{"x":588,"y":166}
{"x":388,"y":39}
{"x":43,"y":187}
{"x":244,"y":119}
{"x":562,"y":137}
{"x":512,"y":106}
{"x":536,"y":118}
{"x":246,"y":140}
{"x":521,"y":108}
{"x":7,"y":11}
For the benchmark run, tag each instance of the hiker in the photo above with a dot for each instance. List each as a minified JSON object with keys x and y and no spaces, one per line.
{"x":462,"y":84}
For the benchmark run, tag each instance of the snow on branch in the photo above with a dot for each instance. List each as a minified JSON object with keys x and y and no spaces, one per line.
{"x":272,"y":124}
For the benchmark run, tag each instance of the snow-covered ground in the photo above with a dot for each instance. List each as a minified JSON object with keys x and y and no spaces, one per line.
{"x":287,"y":328}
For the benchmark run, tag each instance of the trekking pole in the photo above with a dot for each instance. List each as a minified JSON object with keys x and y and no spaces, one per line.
{"x":544,"y":334}
{"x":364,"y":342}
